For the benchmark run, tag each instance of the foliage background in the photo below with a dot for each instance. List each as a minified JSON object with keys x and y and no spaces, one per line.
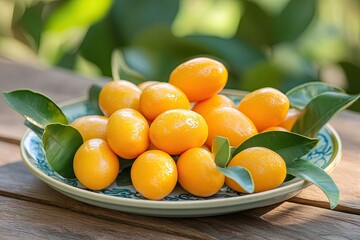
{"x":278,"y":43}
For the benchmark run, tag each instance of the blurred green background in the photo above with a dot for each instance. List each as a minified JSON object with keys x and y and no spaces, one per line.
{"x":278,"y":43}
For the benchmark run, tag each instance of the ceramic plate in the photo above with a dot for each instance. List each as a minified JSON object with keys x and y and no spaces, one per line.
{"x":179,"y":203}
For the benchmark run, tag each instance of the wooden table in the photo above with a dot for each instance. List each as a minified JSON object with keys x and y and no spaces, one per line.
{"x":30,"y":209}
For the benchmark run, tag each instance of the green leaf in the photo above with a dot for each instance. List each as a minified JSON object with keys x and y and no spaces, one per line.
{"x":221,"y":151}
{"x":60,"y":144}
{"x":311,"y":172}
{"x":35,"y":107}
{"x":240,"y":175}
{"x":125,"y":163}
{"x":253,"y":78}
{"x":301,"y":95}
{"x":132,"y":17}
{"x":238,"y":54}
{"x":77,"y":13}
{"x":120,"y":70}
{"x":94,"y":93}
{"x":100,"y":55}
{"x":320,"y":110}
{"x":232,"y":150}
{"x":32,"y":22}
{"x":38,"y":131}
{"x":290,"y":146}
{"x":124,"y":177}
{"x":255,"y":25}
{"x":352,"y":72}
{"x":293,"y":20}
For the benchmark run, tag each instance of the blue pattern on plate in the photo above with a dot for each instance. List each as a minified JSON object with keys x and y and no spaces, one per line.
{"x":321,"y":156}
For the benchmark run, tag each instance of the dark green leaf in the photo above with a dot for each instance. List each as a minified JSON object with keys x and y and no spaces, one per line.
{"x":124,"y":177}
{"x":255,"y":25}
{"x":147,"y":62}
{"x":60,"y":144}
{"x":94,"y":93}
{"x":35,"y":107}
{"x":98,"y":44}
{"x":132,"y":17}
{"x":240,"y":175}
{"x":38,"y":131}
{"x":120,"y":70}
{"x":221,"y":151}
{"x":232,"y":150}
{"x":125,"y":163}
{"x":352,"y":72}
{"x":290,"y":146}
{"x":293,"y":20}
{"x":320,"y":110}
{"x":67,"y":60}
{"x":158,"y":52}
{"x":32,"y":22}
{"x":312,"y":173}
{"x":239,"y":55}
{"x":254,"y":78}
{"x":301,"y":95}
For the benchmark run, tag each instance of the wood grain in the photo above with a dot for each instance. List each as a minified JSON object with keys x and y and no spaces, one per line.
{"x":9,"y":153}
{"x":28,"y":220}
{"x":28,"y":187}
{"x":284,"y":221}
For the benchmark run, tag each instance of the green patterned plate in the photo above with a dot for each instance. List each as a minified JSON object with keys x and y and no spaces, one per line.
{"x":179,"y":203}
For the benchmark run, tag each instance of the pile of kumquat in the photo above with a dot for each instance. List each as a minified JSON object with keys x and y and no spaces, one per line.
{"x":154,"y":121}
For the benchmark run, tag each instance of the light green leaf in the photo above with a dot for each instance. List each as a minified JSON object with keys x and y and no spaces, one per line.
{"x":301,"y":95}
{"x":311,"y":172}
{"x":320,"y":110}
{"x":290,"y":146}
{"x":77,"y":13}
{"x":60,"y":143}
{"x":35,"y":107}
{"x":240,"y":175}
{"x":221,"y":151}
{"x":120,"y":70}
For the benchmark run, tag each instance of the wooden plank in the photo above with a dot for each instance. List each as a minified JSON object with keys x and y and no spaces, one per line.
{"x":283,"y":221}
{"x":346,"y":174}
{"x":309,"y":222}
{"x":28,"y":220}
{"x":58,"y":84}
{"x":28,"y":187}
{"x":9,"y":153}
